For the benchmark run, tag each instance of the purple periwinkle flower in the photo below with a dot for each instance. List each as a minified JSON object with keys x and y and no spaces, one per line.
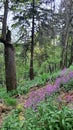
{"x":58,"y":81}
{"x":69,"y":98}
{"x":39,"y":95}
{"x":60,"y":99}
{"x":63,"y":71}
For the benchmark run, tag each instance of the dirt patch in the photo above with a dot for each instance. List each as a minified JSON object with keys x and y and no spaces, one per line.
{"x":4,"y":110}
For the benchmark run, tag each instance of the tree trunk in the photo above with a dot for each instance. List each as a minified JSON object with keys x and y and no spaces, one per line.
{"x":71,"y":57}
{"x":61,"y":62}
{"x":68,"y":7}
{"x":10,"y":68}
{"x":64,"y":58}
{"x":32,"y":47}
{"x":4,"y":24}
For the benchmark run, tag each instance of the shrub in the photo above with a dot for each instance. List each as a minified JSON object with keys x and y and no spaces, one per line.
{"x":11,"y":101}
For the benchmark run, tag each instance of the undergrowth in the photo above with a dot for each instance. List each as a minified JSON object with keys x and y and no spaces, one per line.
{"x":40,"y":81}
{"x":46,"y":116}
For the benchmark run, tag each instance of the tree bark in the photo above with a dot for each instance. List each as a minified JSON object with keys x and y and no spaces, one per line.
{"x":71,"y":56}
{"x":10,"y":69}
{"x":68,"y":6}
{"x":32,"y":47}
{"x":4,"y":24}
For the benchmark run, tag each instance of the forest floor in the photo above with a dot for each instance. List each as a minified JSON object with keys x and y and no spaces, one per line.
{"x":21,"y":99}
{"x":66,"y":97}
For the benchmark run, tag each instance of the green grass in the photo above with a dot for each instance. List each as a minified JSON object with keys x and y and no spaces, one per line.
{"x":46,"y":116}
{"x":10,"y":101}
{"x":3,"y":93}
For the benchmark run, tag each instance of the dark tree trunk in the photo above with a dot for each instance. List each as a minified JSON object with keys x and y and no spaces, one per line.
{"x":64,"y":51}
{"x":71,"y":56}
{"x":10,"y":68}
{"x":68,"y":7}
{"x":50,"y":69}
{"x":32,"y":47}
{"x":4,"y":24}
{"x":61,"y":62}
{"x":55,"y":66}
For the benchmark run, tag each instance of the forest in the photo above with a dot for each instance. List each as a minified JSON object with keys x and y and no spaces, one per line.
{"x":36,"y":64}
